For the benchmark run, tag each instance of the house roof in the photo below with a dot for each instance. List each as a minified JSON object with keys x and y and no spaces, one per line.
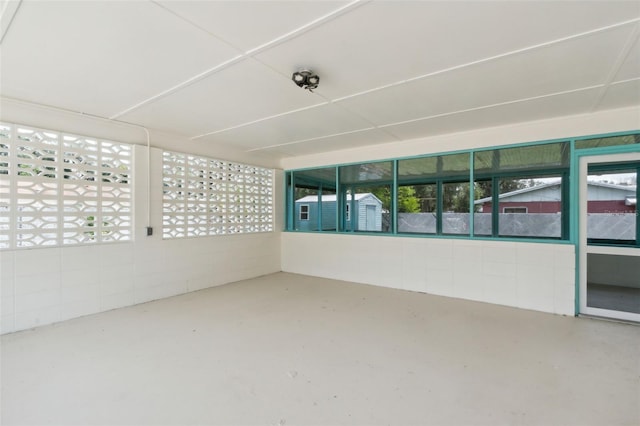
{"x":625,"y":188}
{"x":331,"y":197}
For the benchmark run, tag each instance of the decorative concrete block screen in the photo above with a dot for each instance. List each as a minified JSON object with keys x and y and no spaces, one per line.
{"x":61,"y":189}
{"x":204,"y":197}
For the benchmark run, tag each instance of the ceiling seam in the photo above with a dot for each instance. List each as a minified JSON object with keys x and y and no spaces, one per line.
{"x":243,"y":55}
{"x":626,"y":50}
{"x":311,"y":139}
{"x":8,"y":12}
{"x":469,"y":64}
{"x":532,"y":98}
{"x":259,"y":120}
{"x":491,"y":58}
{"x":384,"y":126}
{"x":433,"y":117}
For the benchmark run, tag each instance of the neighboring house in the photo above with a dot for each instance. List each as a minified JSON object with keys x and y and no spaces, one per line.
{"x":603,"y":198}
{"x":367,"y":206}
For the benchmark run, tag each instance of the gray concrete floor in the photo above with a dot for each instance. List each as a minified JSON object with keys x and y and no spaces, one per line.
{"x":286,"y":349}
{"x":613,"y":297}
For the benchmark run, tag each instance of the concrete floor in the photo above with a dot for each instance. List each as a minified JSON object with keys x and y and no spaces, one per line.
{"x":613,"y":297}
{"x":295,"y":350}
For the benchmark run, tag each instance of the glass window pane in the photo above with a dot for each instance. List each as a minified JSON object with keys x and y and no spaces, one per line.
{"x":455,"y":165}
{"x":365,"y":173}
{"x":530,"y":207}
{"x":609,"y":141}
{"x":429,"y":168}
{"x":523,"y":158}
{"x":611,"y":206}
{"x":417,"y":169}
{"x":455,"y":208}
{"x":313,"y":188}
{"x":417,"y":206}
{"x":482,"y":224}
{"x":369,"y":209}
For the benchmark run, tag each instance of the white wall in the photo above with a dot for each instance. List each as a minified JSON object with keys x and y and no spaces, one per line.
{"x":538,"y":276}
{"x":46,"y":285}
{"x":525,"y":275}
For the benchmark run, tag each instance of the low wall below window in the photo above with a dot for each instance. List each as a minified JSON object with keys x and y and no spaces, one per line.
{"x":537,"y":276}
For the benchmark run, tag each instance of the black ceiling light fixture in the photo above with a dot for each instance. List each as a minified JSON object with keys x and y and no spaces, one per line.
{"x":306,"y":79}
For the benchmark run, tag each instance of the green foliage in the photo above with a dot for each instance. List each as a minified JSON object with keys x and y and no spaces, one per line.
{"x":407,"y":200}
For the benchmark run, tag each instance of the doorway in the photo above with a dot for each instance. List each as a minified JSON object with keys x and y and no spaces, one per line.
{"x":609,"y":247}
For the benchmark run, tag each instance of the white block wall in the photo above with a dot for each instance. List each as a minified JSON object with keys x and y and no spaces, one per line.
{"x":46,"y":285}
{"x":537,"y":276}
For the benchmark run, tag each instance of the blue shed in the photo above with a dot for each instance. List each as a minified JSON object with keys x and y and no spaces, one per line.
{"x":367,"y":205}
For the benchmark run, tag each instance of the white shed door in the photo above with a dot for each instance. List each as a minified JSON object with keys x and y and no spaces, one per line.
{"x":371,"y":218}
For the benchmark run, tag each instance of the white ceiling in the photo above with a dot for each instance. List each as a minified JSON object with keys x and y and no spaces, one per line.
{"x":219,"y":72}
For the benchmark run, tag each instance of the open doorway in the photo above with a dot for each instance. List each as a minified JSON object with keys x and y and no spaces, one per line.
{"x":609,"y":243}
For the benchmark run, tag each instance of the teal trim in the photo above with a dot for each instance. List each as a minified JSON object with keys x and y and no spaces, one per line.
{"x":574,"y":221}
{"x":319,"y":208}
{"x":472,"y":206}
{"x":339,"y":202}
{"x":441,"y":237}
{"x":576,"y":156}
{"x":290,"y":208}
{"x":495,"y":206}
{"x":439,"y":207}
{"x":394,"y":199}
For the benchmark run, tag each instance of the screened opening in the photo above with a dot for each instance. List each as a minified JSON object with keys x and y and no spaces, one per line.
{"x":522,"y":158}
{"x":482,"y":216}
{"x":366,"y":189}
{"x":314,"y":199}
{"x":612,"y":197}
{"x":433,"y":194}
{"x":455,"y":208}
{"x":519,"y":191}
{"x":417,"y":208}
{"x":530,"y":207}
{"x":608,"y":141}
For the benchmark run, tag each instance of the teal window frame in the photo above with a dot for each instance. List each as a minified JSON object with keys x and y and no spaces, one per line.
{"x":567,"y":173}
{"x":613,"y":242}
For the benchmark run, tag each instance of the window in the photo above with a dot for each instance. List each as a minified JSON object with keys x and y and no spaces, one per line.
{"x":317,"y":190}
{"x":608,"y":141}
{"x":366,"y":189}
{"x":62,"y":189}
{"x":304,"y":212}
{"x":433,"y":195}
{"x":530,"y":180}
{"x":516,"y":192}
{"x":514,"y":210}
{"x":612,"y":195}
{"x":204,"y":197}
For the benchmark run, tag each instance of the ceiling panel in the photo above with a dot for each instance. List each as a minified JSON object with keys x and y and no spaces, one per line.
{"x":241,"y":93}
{"x":380,"y":63}
{"x":631,"y":66}
{"x":101,"y":57}
{"x":570,"y":65}
{"x":621,"y":95}
{"x":333,"y":143}
{"x":553,"y":106}
{"x":311,"y":123}
{"x":243,"y":23}
{"x":386,"y":42}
